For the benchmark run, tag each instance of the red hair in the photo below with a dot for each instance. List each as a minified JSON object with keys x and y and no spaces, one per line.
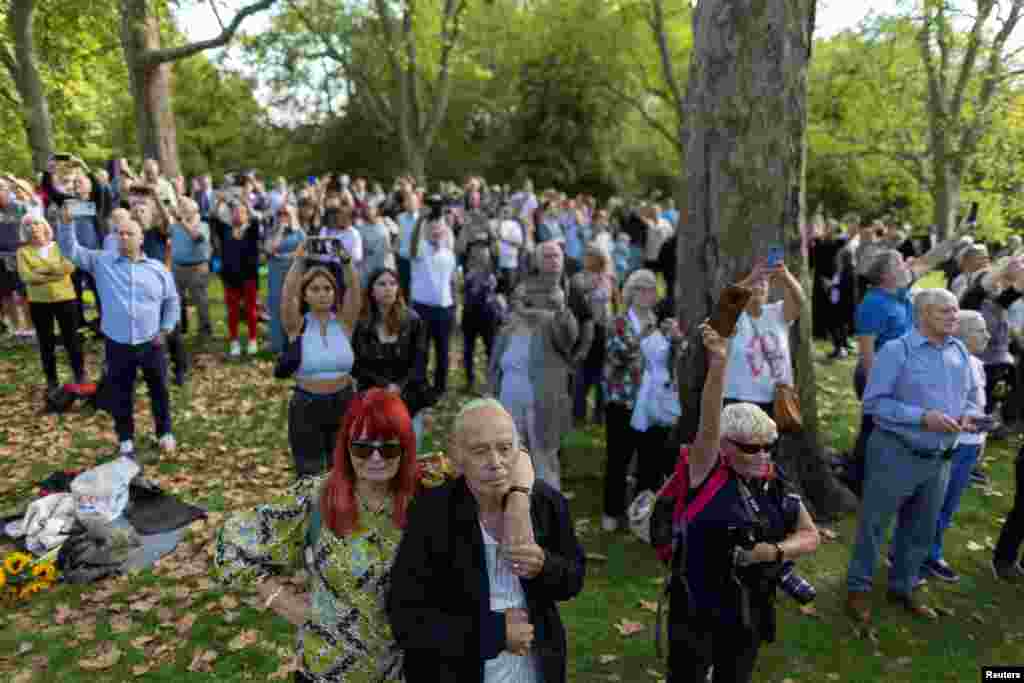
{"x":379,"y":415}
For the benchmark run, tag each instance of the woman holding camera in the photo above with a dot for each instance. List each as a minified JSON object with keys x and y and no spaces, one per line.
{"x":319,"y":354}
{"x":240,"y":271}
{"x":732,"y":525}
{"x":280,"y":248}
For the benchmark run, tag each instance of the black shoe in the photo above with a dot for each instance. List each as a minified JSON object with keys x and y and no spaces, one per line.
{"x":941,"y":570}
{"x":1010,"y":573}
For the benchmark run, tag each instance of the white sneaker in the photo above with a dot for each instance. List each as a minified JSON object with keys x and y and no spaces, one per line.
{"x":167,"y":443}
{"x":236,"y":349}
{"x":253,"y":348}
{"x":127,"y":449}
{"x":609,"y":524}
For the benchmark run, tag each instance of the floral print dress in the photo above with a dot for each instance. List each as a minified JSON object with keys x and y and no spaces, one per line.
{"x":348,"y":637}
{"x":624,"y":362}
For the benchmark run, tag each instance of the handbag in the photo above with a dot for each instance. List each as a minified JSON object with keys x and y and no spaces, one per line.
{"x":786,"y":406}
{"x":785,"y":403}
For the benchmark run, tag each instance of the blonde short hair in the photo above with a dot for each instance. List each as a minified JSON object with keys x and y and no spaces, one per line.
{"x":639,"y":278}
{"x":747,"y":423}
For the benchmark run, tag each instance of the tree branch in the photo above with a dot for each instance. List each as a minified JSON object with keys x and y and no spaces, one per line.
{"x":654,"y":123}
{"x":451,"y":29}
{"x":155,"y":57}
{"x":657,"y":23}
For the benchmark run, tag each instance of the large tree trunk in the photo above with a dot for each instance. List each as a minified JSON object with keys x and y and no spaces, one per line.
{"x":151,"y":85}
{"x":22,"y":66}
{"x":746,"y":118}
{"x":945,"y":196}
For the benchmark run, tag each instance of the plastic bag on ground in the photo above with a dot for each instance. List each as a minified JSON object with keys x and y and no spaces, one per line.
{"x":101,"y":494}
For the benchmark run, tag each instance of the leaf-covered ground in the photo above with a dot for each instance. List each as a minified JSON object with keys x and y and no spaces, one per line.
{"x":173,"y":623}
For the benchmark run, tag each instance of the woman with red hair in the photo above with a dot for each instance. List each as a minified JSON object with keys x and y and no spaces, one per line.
{"x":348,"y":523}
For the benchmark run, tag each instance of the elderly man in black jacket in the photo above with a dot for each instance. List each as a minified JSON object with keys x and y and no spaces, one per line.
{"x":470,"y":601}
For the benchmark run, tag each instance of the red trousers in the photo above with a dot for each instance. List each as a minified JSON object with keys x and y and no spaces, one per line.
{"x":233,"y":299}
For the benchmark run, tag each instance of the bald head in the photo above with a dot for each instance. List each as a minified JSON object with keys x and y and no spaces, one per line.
{"x":485,"y":447}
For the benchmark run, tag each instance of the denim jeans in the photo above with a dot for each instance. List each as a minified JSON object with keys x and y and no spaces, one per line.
{"x":123,"y":364}
{"x":439,"y":320}
{"x":313,"y":424}
{"x":963,"y":461}
{"x":896,"y":481}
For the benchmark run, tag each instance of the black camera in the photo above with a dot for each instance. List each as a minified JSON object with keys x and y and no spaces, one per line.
{"x":436,"y":203}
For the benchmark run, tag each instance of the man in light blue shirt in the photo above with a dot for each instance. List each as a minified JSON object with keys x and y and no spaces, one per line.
{"x":140,"y":307}
{"x":406,"y":224}
{"x":920,"y":393}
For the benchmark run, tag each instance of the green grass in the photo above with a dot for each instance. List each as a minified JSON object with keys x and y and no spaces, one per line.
{"x":230,"y":425}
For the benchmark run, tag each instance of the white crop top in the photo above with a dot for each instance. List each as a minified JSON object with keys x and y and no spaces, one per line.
{"x":325,"y":357}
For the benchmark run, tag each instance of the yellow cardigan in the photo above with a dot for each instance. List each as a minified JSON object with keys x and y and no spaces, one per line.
{"x":47,"y":279}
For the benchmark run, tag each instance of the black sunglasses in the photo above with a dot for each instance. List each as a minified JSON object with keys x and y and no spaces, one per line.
{"x":364,"y":449}
{"x":753,"y":448}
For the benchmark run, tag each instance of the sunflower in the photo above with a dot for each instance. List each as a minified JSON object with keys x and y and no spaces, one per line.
{"x":3,"y":578}
{"x":45,"y":571}
{"x":15,"y":563}
{"x":31,"y":588}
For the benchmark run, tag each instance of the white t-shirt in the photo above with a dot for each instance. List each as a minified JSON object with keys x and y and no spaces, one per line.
{"x":759,"y":357}
{"x":657,"y":235}
{"x":431,"y":275}
{"x":978,"y":370}
{"x":511,"y":238}
{"x":1015,"y":316}
{"x":506,"y":593}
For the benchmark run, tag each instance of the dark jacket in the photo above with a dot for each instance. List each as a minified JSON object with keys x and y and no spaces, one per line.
{"x":439,"y":603}
{"x":240,"y":258}
{"x":402,"y":362}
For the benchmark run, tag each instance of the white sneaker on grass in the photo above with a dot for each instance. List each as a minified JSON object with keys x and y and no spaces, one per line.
{"x":253,"y":348}
{"x":236,"y":349}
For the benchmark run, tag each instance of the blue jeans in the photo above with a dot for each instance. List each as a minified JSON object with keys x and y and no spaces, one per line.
{"x":896,"y":481}
{"x":963,"y":461}
{"x":439,"y":322}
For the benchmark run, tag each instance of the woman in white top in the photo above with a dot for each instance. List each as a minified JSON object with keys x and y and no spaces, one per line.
{"x":510,"y":241}
{"x":432,"y":285}
{"x":759,"y":356}
{"x":319,"y":354}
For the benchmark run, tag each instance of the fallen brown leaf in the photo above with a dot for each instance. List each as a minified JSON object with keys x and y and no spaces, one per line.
{"x":106,"y":657}
{"x":244,"y":639}
{"x":649,"y":605}
{"x":626,"y":627}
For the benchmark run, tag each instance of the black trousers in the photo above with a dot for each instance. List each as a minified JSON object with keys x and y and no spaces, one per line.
{"x":313,"y":424}
{"x":621,"y":442}
{"x":439,"y":320}
{"x":82,"y":281}
{"x":732,"y":650}
{"x":65,"y":313}
{"x":657,"y":458}
{"x":994,"y":374}
{"x":475,"y":326}
{"x":1010,"y":538}
{"x":123,"y":364}
{"x":176,"y":351}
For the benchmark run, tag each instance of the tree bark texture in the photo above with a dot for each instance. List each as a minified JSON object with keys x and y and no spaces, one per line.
{"x":151,"y":85}
{"x":22,"y":67}
{"x":746,"y":116}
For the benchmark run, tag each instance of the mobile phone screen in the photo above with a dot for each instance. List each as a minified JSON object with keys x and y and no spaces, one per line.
{"x":775,"y":256}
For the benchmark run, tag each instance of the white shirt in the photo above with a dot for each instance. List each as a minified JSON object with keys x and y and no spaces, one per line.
{"x":431,"y":275}
{"x":978,"y":369}
{"x":511,"y":239}
{"x":1015,"y":316}
{"x":657,"y":235}
{"x":506,"y":593}
{"x":406,"y":225}
{"x":759,"y":357}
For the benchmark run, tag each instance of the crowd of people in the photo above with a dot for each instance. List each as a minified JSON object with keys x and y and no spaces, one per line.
{"x":452,"y":566}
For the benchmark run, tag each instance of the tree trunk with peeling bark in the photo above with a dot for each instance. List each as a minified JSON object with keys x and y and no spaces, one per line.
{"x":746,"y":116}
{"x":22,"y":66}
{"x":151,"y":86}
{"x":149,"y":68}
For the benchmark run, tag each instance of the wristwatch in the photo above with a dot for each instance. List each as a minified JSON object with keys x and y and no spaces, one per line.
{"x":511,"y":490}
{"x":779,"y":555}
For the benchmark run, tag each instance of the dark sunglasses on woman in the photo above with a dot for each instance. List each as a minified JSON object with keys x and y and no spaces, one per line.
{"x":365,"y":449}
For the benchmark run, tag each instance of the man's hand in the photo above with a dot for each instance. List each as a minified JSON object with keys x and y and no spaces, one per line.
{"x":527,"y":559}
{"x":937,"y":421}
{"x":518,"y":632}
{"x":521,"y":473}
